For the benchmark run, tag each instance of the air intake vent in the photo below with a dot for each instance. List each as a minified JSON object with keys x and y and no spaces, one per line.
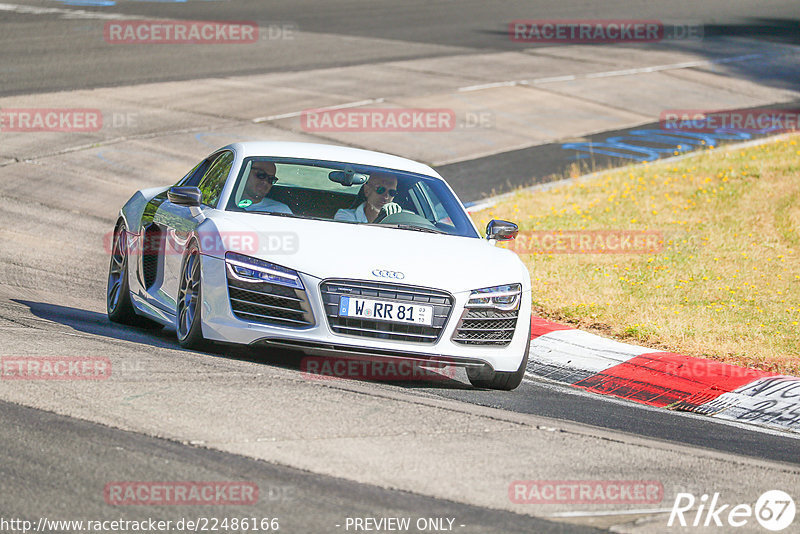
{"x":272,"y":304}
{"x":152,"y":244}
{"x":486,"y":327}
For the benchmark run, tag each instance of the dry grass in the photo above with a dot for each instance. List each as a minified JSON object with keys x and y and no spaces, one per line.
{"x":726,"y":284}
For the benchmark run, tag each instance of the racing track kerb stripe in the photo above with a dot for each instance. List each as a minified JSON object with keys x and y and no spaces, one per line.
{"x":540,"y":327}
{"x":669,"y":379}
{"x":564,"y":354}
{"x":608,"y":367}
{"x":663,"y":379}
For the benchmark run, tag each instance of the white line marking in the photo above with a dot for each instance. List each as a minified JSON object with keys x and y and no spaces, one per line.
{"x":554,"y":79}
{"x":276,"y":117}
{"x":487,"y":86}
{"x":65,"y":13}
{"x":608,"y":74}
{"x":352,"y":104}
{"x":326,"y":108}
{"x":612,"y":512}
{"x":537,"y":81}
{"x":674,"y":66}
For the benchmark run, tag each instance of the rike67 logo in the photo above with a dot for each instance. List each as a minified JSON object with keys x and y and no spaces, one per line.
{"x":774,"y":510}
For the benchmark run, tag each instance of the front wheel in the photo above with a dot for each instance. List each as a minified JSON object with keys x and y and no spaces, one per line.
{"x":188,"y":325}
{"x":486,"y":378}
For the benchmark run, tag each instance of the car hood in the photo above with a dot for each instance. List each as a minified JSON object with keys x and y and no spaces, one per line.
{"x":325,"y":249}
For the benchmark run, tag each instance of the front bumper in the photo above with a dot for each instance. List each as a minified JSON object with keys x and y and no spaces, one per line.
{"x":220,"y":324}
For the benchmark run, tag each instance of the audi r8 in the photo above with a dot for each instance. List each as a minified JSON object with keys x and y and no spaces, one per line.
{"x":275,"y":244}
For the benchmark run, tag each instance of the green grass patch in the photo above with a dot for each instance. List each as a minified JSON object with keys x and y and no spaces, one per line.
{"x":726,"y":282}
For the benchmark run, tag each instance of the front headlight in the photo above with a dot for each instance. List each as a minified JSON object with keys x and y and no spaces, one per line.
{"x":505,"y":298}
{"x":250,"y":269}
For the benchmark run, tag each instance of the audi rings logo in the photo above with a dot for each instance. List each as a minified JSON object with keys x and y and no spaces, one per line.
{"x":383,"y":273}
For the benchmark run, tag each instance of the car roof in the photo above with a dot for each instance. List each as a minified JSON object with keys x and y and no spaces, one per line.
{"x":316,"y":151}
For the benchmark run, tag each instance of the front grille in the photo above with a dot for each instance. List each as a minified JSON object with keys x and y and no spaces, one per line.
{"x":272,"y":304}
{"x":486,"y":327}
{"x":441,"y":301}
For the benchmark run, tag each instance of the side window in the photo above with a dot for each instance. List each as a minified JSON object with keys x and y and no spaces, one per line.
{"x":192,"y":178}
{"x":214,"y":180}
{"x":434,"y":210}
{"x":423,"y":200}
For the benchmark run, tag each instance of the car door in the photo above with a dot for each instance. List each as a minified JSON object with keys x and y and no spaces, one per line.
{"x":150,"y":261}
{"x":178,"y":222}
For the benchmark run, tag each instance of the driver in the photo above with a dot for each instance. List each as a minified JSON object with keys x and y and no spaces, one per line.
{"x":259,"y":181}
{"x":378,"y":193}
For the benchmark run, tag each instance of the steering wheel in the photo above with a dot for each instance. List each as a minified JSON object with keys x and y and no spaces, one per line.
{"x":381,"y":216}
{"x":406,"y":217}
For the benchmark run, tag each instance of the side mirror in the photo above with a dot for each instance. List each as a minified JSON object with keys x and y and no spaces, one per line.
{"x":185,"y":196}
{"x":501,"y":230}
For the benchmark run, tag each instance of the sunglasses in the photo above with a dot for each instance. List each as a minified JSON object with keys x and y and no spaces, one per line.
{"x":381,"y":190}
{"x":262,"y":175}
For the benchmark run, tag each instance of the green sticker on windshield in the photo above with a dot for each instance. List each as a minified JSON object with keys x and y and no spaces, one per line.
{"x":244,"y":202}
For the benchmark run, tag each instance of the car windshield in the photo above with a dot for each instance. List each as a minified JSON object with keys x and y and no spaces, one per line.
{"x":350,"y":194}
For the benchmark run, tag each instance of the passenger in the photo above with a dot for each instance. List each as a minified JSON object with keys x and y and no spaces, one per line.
{"x":375,"y":196}
{"x":259,"y":182}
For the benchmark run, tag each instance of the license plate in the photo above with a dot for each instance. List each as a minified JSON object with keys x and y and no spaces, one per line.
{"x":381,"y":310}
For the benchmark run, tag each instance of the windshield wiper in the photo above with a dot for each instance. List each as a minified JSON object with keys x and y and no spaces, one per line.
{"x":292,"y":215}
{"x":415,"y":228}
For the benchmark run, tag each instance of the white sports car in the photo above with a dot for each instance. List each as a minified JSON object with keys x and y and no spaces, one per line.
{"x":328,"y":250}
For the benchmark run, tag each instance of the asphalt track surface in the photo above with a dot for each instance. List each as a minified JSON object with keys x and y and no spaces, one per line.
{"x":62,"y":461}
{"x":540,"y":164}
{"x":85,"y":457}
{"x":47,"y":53}
{"x":534,"y":396}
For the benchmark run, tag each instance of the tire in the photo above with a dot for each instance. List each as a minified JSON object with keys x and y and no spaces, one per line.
{"x":189,"y":323}
{"x":486,"y":378}
{"x":118,"y":294}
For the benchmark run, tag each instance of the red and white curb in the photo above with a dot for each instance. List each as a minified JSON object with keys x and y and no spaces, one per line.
{"x":663,"y":379}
